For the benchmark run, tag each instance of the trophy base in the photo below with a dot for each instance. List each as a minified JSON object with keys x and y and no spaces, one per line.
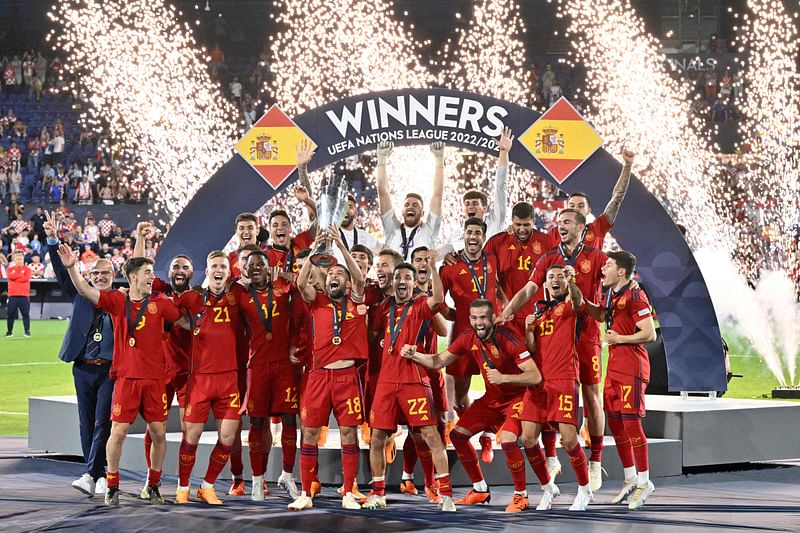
{"x":323,"y":260}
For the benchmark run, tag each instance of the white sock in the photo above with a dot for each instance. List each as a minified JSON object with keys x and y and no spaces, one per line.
{"x":629,"y":472}
{"x":644,"y":478}
{"x":583,"y":488}
{"x":521,"y":493}
{"x":206,"y":485}
{"x":379,"y":478}
{"x":183,"y":488}
{"x":287,"y":474}
{"x":551,"y":461}
{"x":406,"y":476}
{"x":481,"y":486}
{"x":258,"y":479}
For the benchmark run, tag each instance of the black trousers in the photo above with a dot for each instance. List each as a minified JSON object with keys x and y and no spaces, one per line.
{"x":94,"y":391}
{"x":23,"y":303}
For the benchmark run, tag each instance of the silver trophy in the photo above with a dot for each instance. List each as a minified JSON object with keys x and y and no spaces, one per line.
{"x":330,"y":211}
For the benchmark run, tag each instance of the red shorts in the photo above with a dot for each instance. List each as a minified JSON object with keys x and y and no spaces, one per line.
{"x":332,"y":390}
{"x":589,"y":361}
{"x":177,"y":387}
{"x":402,"y":403}
{"x":218,"y":391}
{"x":624,"y":395}
{"x":132,"y":396}
{"x":438,"y":390}
{"x":556,"y":400}
{"x":463,"y":366}
{"x":273,"y":389}
{"x":489,"y":414}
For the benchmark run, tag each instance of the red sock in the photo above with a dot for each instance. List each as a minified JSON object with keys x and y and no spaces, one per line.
{"x":289,"y":446}
{"x":308,"y":466}
{"x":622,"y":441}
{"x":445,"y":485}
{"x":258,"y":454}
{"x":148,"y":442}
{"x":635,"y":432}
{"x":425,"y":457}
{"x":349,"y":465}
{"x":549,"y":442}
{"x":467,"y":455}
{"x":112,"y":479}
{"x":578,"y":459}
{"x":237,"y":466}
{"x":379,"y":487}
{"x":596,"y":448}
{"x":186,"y":459}
{"x":153,"y":477}
{"x":516,"y":464}
{"x":217,"y":461}
{"x":537,"y":460}
{"x":409,"y":454}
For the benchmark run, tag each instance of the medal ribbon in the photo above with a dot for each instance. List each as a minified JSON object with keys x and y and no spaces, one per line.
{"x":406,"y":243}
{"x":266,"y":320}
{"x":396,"y":326}
{"x":338,"y":320}
{"x":344,"y":239}
{"x":484,"y":265}
{"x":609,"y":307}
{"x":132,"y":325}
{"x":485,"y":356}
{"x":569,"y":260}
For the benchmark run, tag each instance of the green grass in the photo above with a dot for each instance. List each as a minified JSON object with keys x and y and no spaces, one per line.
{"x":37,"y":371}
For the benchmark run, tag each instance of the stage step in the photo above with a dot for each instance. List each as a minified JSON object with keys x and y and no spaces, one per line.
{"x":665,"y":460}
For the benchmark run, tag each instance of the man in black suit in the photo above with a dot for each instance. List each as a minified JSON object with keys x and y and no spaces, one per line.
{"x":89,"y":345}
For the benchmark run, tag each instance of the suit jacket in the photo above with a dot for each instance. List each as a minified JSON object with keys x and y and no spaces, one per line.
{"x":83,"y":311}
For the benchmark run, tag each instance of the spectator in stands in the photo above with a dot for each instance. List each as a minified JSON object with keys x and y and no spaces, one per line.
{"x":37,"y":84}
{"x":117,"y":259}
{"x":91,"y":234}
{"x":235,"y":88}
{"x":28,"y":68}
{"x":217,"y":60}
{"x":726,"y":86}
{"x":34,"y":153}
{"x":16,"y":64}
{"x":710,"y":85}
{"x":127,"y":249}
{"x":19,"y":294}
{"x":14,"y":182}
{"x":118,"y":239}
{"x":106,"y":252}
{"x":13,"y":208}
{"x":533,"y":80}
{"x":3,"y":183}
{"x":719,"y":111}
{"x":14,"y":155}
{"x":548,"y":80}
{"x":36,"y":245}
{"x":106,"y":227}
{"x":9,"y":79}
{"x":41,"y":67}
{"x":19,"y":224}
{"x":84,"y":194}
{"x":58,"y":146}
{"x":37,"y":223}
{"x":37,"y":267}
{"x":107,"y":194}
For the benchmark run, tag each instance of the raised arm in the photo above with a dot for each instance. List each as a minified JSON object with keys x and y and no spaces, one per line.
{"x":307,"y":291}
{"x":437,"y":296}
{"x":620,"y":188}
{"x":81,"y":285}
{"x":438,"y":179}
{"x":575,"y":295}
{"x":434,"y":361}
{"x":382,"y":179}
{"x":356,"y":277}
{"x":52,"y":248}
{"x":530,"y":333}
{"x":521,"y":298}
{"x":501,"y":179}
{"x":304,"y":152}
{"x":143,"y":230}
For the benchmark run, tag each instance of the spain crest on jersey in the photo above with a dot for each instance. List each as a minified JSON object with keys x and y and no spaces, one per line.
{"x":589,"y":237}
{"x":152,"y":308}
{"x":621,"y":303}
{"x":586,"y":266}
{"x":537,"y":247}
{"x":559,"y":310}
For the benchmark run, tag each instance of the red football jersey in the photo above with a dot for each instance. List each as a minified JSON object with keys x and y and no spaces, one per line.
{"x":263,"y":349}
{"x":459,"y":281}
{"x":301,"y":329}
{"x":556,"y":354}
{"x":596,"y":232}
{"x":144,"y":360}
{"x":515,"y":262}
{"x":373,"y":298}
{"x":177,"y":341}
{"x":214,"y":335}
{"x":280,"y":257}
{"x":353,"y":334}
{"x":394,"y":367}
{"x":588,"y":278}
{"x":506,"y":351}
{"x":629,"y":307}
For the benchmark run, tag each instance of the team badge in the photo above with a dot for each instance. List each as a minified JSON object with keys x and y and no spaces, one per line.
{"x":231,"y":299}
{"x":493,"y":352}
{"x":152,"y":308}
{"x":589,"y":237}
{"x":361,"y":309}
{"x":586,"y":266}
{"x":303,"y":413}
{"x":559,"y":310}
{"x":278,"y":293}
{"x":117,"y":409}
{"x":621,"y":303}
{"x":537,"y":247}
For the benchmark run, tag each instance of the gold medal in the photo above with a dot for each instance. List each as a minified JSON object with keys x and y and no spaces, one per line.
{"x":269,"y":336}
{"x":97,"y":336}
{"x":391,"y":348}
{"x":197,"y":330}
{"x":337,"y":340}
{"x":381,"y":343}
{"x":131,"y":342}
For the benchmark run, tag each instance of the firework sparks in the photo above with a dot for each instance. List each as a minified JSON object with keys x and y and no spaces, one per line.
{"x":149,"y":85}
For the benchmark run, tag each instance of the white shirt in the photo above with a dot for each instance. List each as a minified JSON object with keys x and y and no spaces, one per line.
{"x":365,"y":238}
{"x":423,"y":235}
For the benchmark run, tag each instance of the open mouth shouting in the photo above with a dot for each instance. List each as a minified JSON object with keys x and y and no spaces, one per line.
{"x":472,"y":245}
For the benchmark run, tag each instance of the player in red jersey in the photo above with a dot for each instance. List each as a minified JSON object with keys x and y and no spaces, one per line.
{"x":551,"y":335}
{"x":247,"y":232}
{"x":427,"y":342}
{"x":588,"y":262}
{"x":597,"y":229}
{"x":284,"y":249}
{"x":213,"y":383}
{"x":138,"y":367}
{"x":339,"y":333}
{"x":472,"y":276}
{"x":403,"y":392}
{"x":516,"y":255}
{"x":507,"y":368}
{"x":273,"y":381}
{"x":629,"y":325}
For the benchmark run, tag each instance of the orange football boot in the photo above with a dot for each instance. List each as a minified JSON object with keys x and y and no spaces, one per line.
{"x":473,"y":497}
{"x":407,"y":487}
{"x":518,"y":504}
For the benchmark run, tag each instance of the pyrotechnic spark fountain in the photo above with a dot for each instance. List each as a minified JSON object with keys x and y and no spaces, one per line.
{"x":149,"y":84}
